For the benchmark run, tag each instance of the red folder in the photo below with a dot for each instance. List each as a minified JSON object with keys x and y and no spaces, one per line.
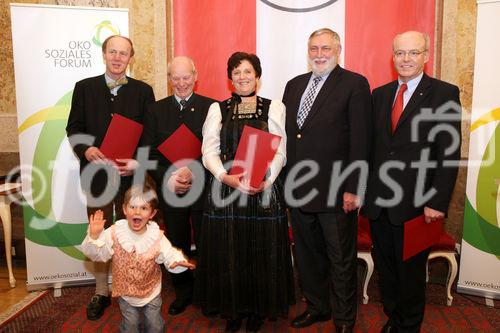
{"x":419,"y":235}
{"x":254,"y":154}
{"x":121,"y":138}
{"x":182,"y":147}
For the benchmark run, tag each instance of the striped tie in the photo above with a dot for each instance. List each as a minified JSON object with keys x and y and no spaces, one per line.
{"x":308,"y":102}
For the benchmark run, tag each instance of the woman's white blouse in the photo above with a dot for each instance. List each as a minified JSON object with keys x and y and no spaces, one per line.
{"x":211,"y":139}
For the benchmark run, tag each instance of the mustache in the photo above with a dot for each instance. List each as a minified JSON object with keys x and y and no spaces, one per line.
{"x":319,"y":59}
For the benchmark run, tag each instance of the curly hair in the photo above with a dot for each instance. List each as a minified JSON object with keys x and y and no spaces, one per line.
{"x":237,"y":57}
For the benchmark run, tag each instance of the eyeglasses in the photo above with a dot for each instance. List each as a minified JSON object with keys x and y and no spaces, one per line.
{"x":412,"y":53}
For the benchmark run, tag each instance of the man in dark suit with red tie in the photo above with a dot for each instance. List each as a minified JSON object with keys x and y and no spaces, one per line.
{"x":162,"y":120}
{"x":328,"y":114}
{"x":104,"y":183}
{"x":414,"y":164}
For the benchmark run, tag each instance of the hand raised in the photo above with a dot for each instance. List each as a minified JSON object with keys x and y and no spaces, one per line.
{"x":96,"y":224}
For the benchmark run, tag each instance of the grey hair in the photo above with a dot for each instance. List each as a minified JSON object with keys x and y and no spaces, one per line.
{"x":328,"y":31}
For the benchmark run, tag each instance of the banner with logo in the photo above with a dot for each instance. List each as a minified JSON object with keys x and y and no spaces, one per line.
{"x":480,"y":251}
{"x":278,"y":30}
{"x":54,"y":47}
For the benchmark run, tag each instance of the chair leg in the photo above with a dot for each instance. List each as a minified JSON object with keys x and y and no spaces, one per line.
{"x":452,"y":274}
{"x":5,"y":216}
{"x":367,"y":258}
{"x":452,"y":271}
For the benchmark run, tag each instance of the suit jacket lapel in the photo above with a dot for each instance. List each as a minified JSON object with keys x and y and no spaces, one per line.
{"x":416,"y":99}
{"x":172,"y":104}
{"x":103,"y":94}
{"x":330,"y":85}
{"x":190,"y":109}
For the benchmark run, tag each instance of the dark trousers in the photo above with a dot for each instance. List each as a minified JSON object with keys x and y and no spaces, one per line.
{"x":402,"y":283}
{"x":178,"y":230}
{"x":325,"y":254}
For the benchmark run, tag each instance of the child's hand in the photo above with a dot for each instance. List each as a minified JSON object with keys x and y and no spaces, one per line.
{"x":96,"y":224}
{"x":184,"y":263}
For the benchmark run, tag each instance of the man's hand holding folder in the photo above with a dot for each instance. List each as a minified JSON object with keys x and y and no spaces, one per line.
{"x":181,"y":148}
{"x":180,"y":181}
{"x":119,"y":144}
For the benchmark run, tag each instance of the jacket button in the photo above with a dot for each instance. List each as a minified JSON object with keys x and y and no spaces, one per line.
{"x":299,"y":136}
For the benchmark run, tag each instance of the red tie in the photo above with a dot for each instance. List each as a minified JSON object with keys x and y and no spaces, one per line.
{"x":397,"y":109}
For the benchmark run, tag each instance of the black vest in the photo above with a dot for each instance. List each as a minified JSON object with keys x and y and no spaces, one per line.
{"x":233,"y":123}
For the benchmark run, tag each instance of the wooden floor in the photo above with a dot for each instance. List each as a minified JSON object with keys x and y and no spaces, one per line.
{"x":10,"y":296}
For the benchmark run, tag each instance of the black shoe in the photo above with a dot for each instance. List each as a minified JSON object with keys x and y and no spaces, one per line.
{"x":254,"y":323}
{"x":233,"y":325}
{"x":97,"y":305}
{"x":307,"y":319}
{"x":389,"y":328}
{"x":344,"y":328}
{"x":178,"y":306}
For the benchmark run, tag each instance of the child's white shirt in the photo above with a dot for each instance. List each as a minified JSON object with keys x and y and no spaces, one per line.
{"x":101,"y":249}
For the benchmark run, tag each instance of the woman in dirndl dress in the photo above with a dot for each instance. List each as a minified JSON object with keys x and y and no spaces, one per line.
{"x":244,"y":269}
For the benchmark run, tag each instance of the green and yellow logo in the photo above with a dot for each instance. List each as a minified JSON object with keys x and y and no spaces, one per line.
{"x":102,"y":31}
{"x":480,"y":223}
{"x":40,"y":225}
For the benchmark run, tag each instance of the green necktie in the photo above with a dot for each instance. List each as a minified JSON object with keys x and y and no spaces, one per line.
{"x":117,"y":83}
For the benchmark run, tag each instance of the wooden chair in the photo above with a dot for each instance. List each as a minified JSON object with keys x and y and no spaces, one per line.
{"x":6,"y":192}
{"x":365,"y":245}
{"x":445,"y":248}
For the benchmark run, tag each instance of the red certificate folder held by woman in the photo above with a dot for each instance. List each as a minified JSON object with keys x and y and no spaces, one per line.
{"x":121,"y":138}
{"x":254,"y":154}
{"x":182,"y":147}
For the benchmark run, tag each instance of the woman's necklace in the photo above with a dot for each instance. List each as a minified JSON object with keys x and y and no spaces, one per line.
{"x":247,"y":107}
